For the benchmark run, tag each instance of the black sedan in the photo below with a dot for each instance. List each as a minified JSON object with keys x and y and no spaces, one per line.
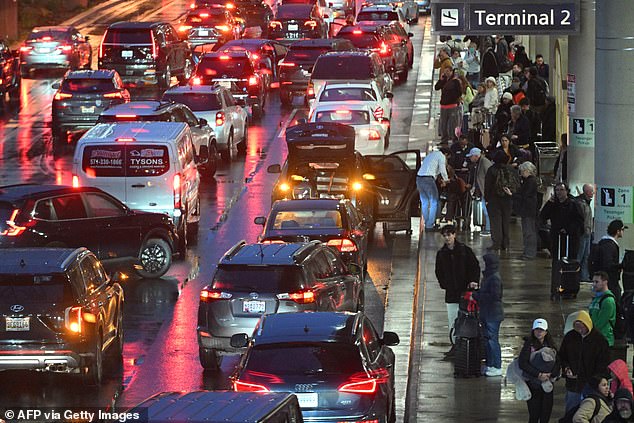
{"x":296,"y":21}
{"x":335,"y":222}
{"x":341,"y":369}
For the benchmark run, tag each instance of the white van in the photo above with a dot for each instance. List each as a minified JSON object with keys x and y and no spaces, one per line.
{"x":149,"y":166}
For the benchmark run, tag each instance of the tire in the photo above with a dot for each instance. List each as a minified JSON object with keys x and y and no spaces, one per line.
{"x":228,"y":155}
{"x":209,"y":169}
{"x":93,"y":374}
{"x":155,"y":258}
{"x":286,"y":99}
{"x":164,"y":80}
{"x":187,"y":72}
{"x":116,"y":350}
{"x":242,"y":145}
{"x":209,"y":359}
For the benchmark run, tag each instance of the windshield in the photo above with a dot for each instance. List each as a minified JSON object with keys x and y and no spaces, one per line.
{"x":364,"y":40}
{"x":348,"y":117}
{"x":197,"y":102}
{"x":47,"y":35}
{"x":87,"y":85}
{"x":377,"y":16}
{"x":215,"y":67}
{"x":258,"y":278}
{"x":342,"y":67}
{"x":299,"y":11}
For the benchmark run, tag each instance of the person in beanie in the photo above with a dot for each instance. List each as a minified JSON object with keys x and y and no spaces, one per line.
{"x":584,"y":352}
{"x":489,"y":298}
{"x":540,"y":406}
{"x":601,"y":394}
{"x":456,"y":267}
{"x":622,"y":410}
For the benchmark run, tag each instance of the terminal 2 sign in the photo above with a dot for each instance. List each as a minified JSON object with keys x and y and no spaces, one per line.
{"x":515,"y":18}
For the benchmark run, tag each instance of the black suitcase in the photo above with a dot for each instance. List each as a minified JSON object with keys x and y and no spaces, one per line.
{"x":467,"y":360}
{"x":569,"y":271}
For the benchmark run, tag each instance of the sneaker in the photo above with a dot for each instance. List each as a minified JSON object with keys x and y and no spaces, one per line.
{"x":451,"y":352}
{"x":485,"y":233}
{"x":493,"y":372}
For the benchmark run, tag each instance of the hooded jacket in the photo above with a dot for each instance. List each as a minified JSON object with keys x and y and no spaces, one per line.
{"x":455,"y":268}
{"x":603,"y":313}
{"x":489,"y":296}
{"x":622,"y":381}
{"x":615,"y":417}
{"x":585,"y":356}
{"x":563,"y":215}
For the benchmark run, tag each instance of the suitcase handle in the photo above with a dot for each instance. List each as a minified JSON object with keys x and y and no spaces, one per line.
{"x":561,"y":235}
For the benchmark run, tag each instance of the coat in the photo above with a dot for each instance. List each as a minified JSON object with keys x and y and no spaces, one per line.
{"x":455,"y":268}
{"x":608,"y":259}
{"x":586,"y":409}
{"x":490,"y":194}
{"x":481,"y":169}
{"x":586,"y":211}
{"x":622,"y":379}
{"x":489,"y":296}
{"x":564,"y":216}
{"x":527,"y":198}
{"x":529,"y":370}
{"x":489,"y":65}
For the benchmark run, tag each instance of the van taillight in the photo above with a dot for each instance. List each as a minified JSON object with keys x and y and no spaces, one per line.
{"x":305,"y":296}
{"x":177,"y":191}
{"x":220,"y":118}
{"x":253,"y":80}
{"x":116,"y":94}
{"x":248,"y":387}
{"x":73,"y":319}
{"x":384,"y":49}
{"x":12,"y":228}
{"x":344,"y":245}
{"x":101,"y":44}
{"x":208,"y":295}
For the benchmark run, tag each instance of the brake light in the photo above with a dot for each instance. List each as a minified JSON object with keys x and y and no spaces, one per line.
{"x":220,"y":118}
{"x":65,"y":48}
{"x":362,"y":383}
{"x":13,"y":229}
{"x":230,"y":6}
{"x":127,"y":139}
{"x":384,"y":49}
{"x":305,"y":296}
{"x":224,"y":57}
{"x":125,"y":117}
{"x":73,"y":319}
{"x":184,"y":28}
{"x":357,"y":32}
{"x":204,"y":15}
{"x":117,"y":94}
{"x":25,"y":49}
{"x":310,"y":92}
{"x":154,"y":46}
{"x":248,"y":387}
{"x":101,"y":44}
{"x":378,"y":113}
{"x":223,"y":28}
{"x":208,"y":295}
{"x":62,"y":96}
{"x":192,"y":6}
{"x":253,"y":80}
{"x":255,"y":56}
{"x":176,"y":183}
{"x":196,"y":80}
{"x":373,"y":135}
{"x":342,"y":112}
{"x":288,"y":64}
{"x":310,"y":23}
{"x":75,"y":181}
{"x":275,"y":24}
{"x":344,"y":245}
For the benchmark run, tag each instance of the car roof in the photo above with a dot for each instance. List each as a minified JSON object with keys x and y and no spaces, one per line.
{"x":52,"y":28}
{"x":90,"y":74}
{"x":23,"y":191}
{"x":307,"y":327}
{"x":273,"y":254}
{"x":349,"y":53}
{"x":342,"y":105}
{"x":140,"y":131}
{"x":135,"y":25}
{"x":307,"y":204}
{"x":316,"y":42}
{"x":37,"y":260}
{"x":368,"y":84}
{"x":378,"y":8}
{"x":146,"y":107}
{"x":241,"y":54}
{"x":245,"y":41}
{"x":198,"y":89}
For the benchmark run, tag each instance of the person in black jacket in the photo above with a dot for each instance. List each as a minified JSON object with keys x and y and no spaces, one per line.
{"x":608,"y":255}
{"x":519,"y":128}
{"x":489,"y":62}
{"x":498,"y":204}
{"x":456,"y":267}
{"x":566,"y":227}
{"x":527,"y":209}
{"x":450,"y":105}
{"x":622,"y":412}
{"x":549,"y":120}
{"x":584,"y":352}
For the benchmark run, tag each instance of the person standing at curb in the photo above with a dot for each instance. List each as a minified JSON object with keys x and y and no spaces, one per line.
{"x":607,"y":256}
{"x":434,"y":164}
{"x":584,"y":200}
{"x":456,"y":267}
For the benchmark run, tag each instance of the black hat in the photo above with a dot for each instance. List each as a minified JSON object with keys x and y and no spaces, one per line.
{"x":615,"y":225}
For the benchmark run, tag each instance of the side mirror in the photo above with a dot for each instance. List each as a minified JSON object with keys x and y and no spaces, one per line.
{"x":355,"y":269}
{"x":55,"y":85}
{"x":274,"y":168}
{"x":302,"y":121}
{"x":241,"y":340}
{"x":389,"y":338}
{"x":410,"y":35}
{"x":389,"y":95}
{"x":260,"y":220}
{"x":202,"y":122}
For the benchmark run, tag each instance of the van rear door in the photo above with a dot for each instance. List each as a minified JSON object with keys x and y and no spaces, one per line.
{"x":150,"y":178}
{"x":103,"y":166}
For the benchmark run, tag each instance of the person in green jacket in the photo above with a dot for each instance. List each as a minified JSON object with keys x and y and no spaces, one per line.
{"x":603,"y":307}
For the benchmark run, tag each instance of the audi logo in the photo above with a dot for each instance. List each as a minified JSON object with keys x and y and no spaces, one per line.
{"x":304,"y":387}
{"x":16,"y":308}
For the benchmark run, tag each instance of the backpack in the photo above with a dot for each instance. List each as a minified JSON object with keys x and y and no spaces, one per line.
{"x":542,"y":91}
{"x":567,"y":418}
{"x":506,"y":178}
{"x":620,"y":324}
{"x":594,"y":258}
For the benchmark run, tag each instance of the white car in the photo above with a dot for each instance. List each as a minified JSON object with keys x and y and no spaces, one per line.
{"x":217,"y":106}
{"x":382,"y":13}
{"x":371,"y":134}
{"x":365,"y":92}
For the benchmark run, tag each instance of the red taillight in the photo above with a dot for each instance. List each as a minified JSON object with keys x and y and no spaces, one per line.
{"x":25,"y":49}
{"x":305,"y":296}
{"x":208,"y":295}
{"x":344,"y":245}
{"x":126,"y":117}
{"x":310,"y":23}
{"x":101,"y":44}
{"x":288,"y":64}
{"x":373,"y":135}
{"x":184,"y":28}
{"x":126,"y":139}
{"x":196,"y":80}
{"x":117,"y":94}
{"x":384,"y":49}
{"x":253,"y":80}
{"x":62,"y":96}
{"x":192,"y":6}
{"x":357,"y":32}
{"x":275,"y":24}
{"x":220,"y":118}
{"x":65,"y":48}
{"x":230,"y":6}
{"x":73,"y":319}
{"x":248,"y":387}
{"x":310,"y":92}
{"x":75,"y":181}
{"x":204,"y":15}
{"x":12,"y":228}
{"x":224,"y":57}
{"x":255,"y":56}
{"x":273,"y":241}
{"x":47,"y":38}
{"x":176,"y":183}
{"x":378,"y":113}
{"x":362,"y":383}
{"x":154,"y":46}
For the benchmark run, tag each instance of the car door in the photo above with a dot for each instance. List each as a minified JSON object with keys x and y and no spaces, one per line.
{"x":380,"y":358}
{"x":358,"y":230}
{"x":119,"y":231}
{"x":238,"y":116}
{"x":384,"y":101}
{"x":173,"y":49}
{"x":98,"y":296}
{"x":74,"y":228}
{"x":394,"y":181}
{"x":348,"y":285}
{"x":200,"y":135}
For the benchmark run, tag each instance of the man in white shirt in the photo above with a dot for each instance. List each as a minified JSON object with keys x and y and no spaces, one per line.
{"x":434,"y":164}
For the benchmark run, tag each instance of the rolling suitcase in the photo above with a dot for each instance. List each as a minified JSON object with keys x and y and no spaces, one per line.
{"x":467,"y":361}
{"x":569,"y":271}
{"x":477,"y":212}
{"x":468,"y":332}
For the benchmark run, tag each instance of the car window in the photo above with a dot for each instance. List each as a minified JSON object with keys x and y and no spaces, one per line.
{"x":292,"y":220}
{"x":347,"y":93}
{"x":102,"y":206}
{"x":229,"y":100}
{"x":305,"y":54}
{"x":177,"y":115}
{"x":47,"y":35}
{"x":342,"y":67}
{"x":44,"y":210}
{"x":170,"y":34}
{"x":90,"y":272}
{"x":69,"y":207}
{"x":189,"y":117}
{"x":371,"y":339}
{"x":197,"y":102}
{"x":377,"y":16}
{"x":364,"y":40}
{"x":128,"y":36}
{"x":335,"y":262}
{"x":212,"y":67}
{"x":87,"y":85}
{"x":125,"y":160}
{"x":323,"y":265}
{"x":348,"y":117}
{"x":352,"y":215}
{"x":294,"y":11}
{"x":35,"y":289}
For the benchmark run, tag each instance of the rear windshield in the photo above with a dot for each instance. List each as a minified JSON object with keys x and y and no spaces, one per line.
{"x":377,"y":16}
{"x":47,"y":36}
{"x":306,"y":219}
{"x":87,"y":85}
{"x":258,"y":278}
{"x":125,"y":160}
{"x":304,"y":54}
{"x":206,"y":18}
{"x":293,"y":11}
{"x":197,"y":102}
{"x":348,"y":117}
{"x":28,"y":289}
{"x":342,"y":67}
{"x":128,"y":36}
{"x":326,"y":358}
{"x":213,"y":67}
{"x":347,"y":93}
{"x":364,"y":40}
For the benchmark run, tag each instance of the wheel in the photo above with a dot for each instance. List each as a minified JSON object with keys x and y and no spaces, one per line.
{"x":242,"y":145}
{"x":228,"y":155}
{"x":209,"y":169}
{"x":187,"y":72}
{"x":165,"y":79}
{"x":116,"y":350}
{"x":286,"y":98}
{"x":155,"y":258}
{"x":93,"y":374}
{"x":209,"y":359}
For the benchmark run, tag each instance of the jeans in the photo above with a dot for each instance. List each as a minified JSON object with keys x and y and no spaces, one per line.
{"x":494,"y":352}
{"x":529,"y":235}
{"x":487,"y":221}
{"x":428,"y":192}
{"x":452,"y":314}
{"x":500,"y":213}
{"x":540,"y":406}
{"x":582,"y":256}
{"x":450,"y":119}
{"x":572,"y":400}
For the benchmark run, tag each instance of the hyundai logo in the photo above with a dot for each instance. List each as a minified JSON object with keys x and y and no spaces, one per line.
{"x":16,"y":308}
{"x":254,"y":295}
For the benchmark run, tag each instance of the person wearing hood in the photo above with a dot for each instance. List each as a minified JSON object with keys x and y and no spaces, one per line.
{"x":597,"y":405}
{"x":489,"y":298}
{"x":489,"y":61}
{"x":584,"y":352}
{"x":491,"y":97}
{"x":622,"y":410}
{"x":620,"y":376}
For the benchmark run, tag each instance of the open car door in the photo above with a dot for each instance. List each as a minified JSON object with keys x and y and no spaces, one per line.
{"x":393,"y":180}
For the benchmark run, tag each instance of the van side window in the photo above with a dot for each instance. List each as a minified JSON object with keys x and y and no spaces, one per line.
{"x":69,"y":207}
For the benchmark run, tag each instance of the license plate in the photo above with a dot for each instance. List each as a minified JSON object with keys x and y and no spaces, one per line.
{"x":293,"y":27}
{"x":292,"y":35}
{"x":308,"y":400}
{"x":88,"y":109}
{"x":226,"y":84}
{"x":44,"y":50}
{"x":203,"y":33}
{"x":17,"y":324}
{"x":253,"y":306}
{"x":126,"y":54}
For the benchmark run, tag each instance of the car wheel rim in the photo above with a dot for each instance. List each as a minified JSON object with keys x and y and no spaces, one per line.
{"x":153,"y":258}
{"x":188,"y":69}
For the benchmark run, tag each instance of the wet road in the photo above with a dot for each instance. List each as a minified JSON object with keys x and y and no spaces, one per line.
{"x":161,"y":351}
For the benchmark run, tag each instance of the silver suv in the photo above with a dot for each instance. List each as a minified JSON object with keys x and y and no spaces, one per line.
{"x":256,"y":279}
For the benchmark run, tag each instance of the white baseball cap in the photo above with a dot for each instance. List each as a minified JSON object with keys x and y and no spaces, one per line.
{"x":540,"y":324}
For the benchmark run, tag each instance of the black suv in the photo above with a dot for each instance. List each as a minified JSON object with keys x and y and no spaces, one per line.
{"x":256,"y":279}
{"x":296,"y":67}
{"x":57,"y":216}
{"x":145,"y":53}
{"x":255,"y":13}
{"x":9,"y":73}
{"x":60,"y":312}
{"x":81,"y":97}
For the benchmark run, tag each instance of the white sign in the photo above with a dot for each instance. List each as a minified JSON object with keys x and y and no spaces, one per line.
{"x":449,"y":17}
{"x":582,"y":132}
{"x":615,"y":203}
{"x":572,"y":93}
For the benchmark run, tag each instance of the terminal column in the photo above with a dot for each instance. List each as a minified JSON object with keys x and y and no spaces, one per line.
{"x":614,"y":152}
